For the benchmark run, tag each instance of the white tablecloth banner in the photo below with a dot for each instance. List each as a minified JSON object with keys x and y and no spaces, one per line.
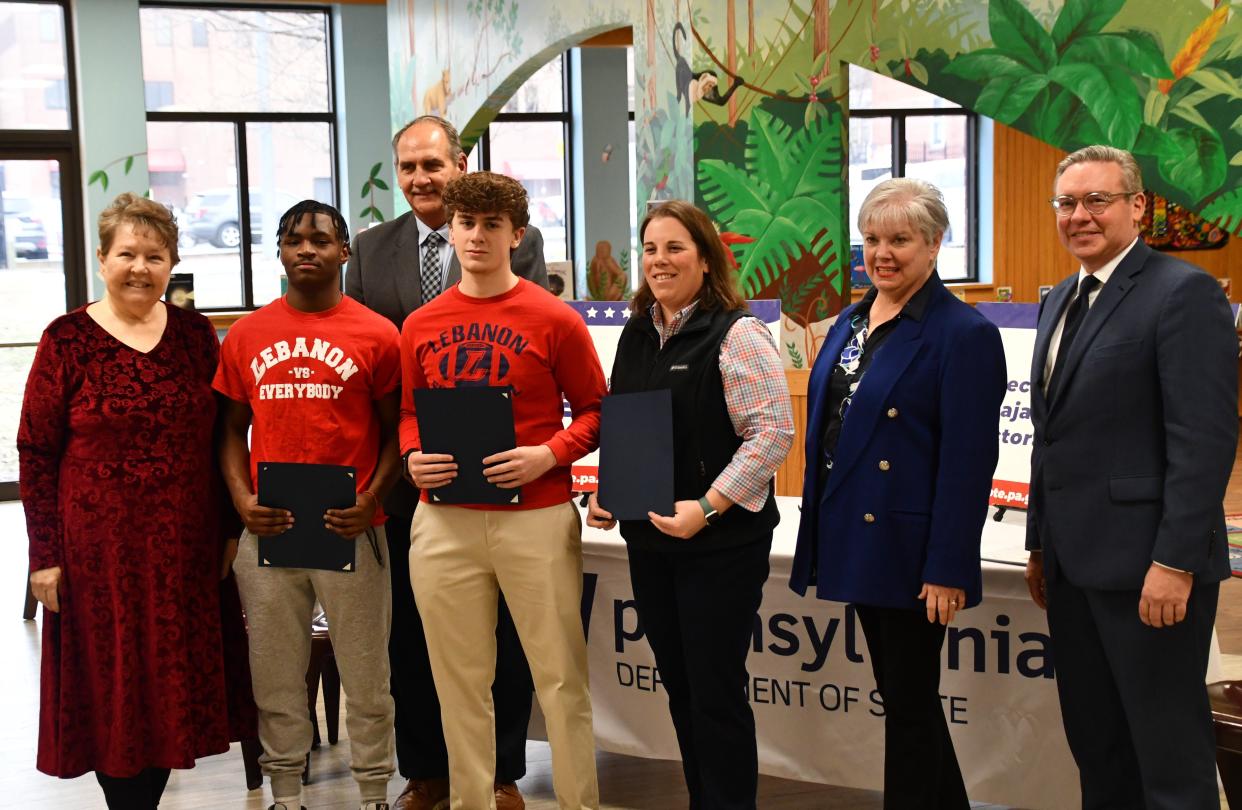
{"x":811,"y":685}
{"x":1011,"y":482}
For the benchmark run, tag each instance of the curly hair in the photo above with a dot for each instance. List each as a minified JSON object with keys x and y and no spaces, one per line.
{"x":488,"y":193}
{"x":140,"y":214}
{"x":720,"y":289}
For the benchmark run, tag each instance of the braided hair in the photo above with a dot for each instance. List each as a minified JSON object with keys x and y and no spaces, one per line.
{"x":294,"y":215}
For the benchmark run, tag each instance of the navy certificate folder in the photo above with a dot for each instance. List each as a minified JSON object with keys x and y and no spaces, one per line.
{"x":636,"y":454}
{"x":307,"y":490}
{"x":469,"y":423}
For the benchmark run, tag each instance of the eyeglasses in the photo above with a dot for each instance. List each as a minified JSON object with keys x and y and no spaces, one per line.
{"x":1096,"y":202}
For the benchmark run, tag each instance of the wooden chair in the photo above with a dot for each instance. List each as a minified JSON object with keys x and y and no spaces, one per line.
{"x":322,"y":667}
{"x":32,"y":604}
{"x":1226,"y":699}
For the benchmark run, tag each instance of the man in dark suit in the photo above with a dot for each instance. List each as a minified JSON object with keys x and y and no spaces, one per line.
{"x":1136,"y":423}
{"x":395,"y":268}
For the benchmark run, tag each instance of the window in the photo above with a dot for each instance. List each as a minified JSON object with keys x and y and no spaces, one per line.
{"x":249,"y":108}
{"x":162,"y":32}
{"x":32,"y":66}
{"x":56,"y":95}
{"x":158,"y":94}
{"x":198,"y":33}
{"x":42,"y":258}
{"x":528,"y":140}
{"x":50,"y":25}
{"x":897,"y":130}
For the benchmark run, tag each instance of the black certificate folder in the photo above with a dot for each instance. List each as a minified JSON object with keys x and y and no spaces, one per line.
{"x":469,"y":423}
{"x":636,"y":454}
{"x":307,"y":490}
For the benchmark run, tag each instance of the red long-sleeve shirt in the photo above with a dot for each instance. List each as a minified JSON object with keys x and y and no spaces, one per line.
{"x":526,"y":338}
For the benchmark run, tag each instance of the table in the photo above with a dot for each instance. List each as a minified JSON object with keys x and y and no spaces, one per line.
{"x":811,"y":684}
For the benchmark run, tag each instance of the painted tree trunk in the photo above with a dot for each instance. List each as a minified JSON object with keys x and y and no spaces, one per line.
{"x":750,"y":27}
{"x":651,"y":55}
{"x":821,"y":43}
{"x":731,"y":38}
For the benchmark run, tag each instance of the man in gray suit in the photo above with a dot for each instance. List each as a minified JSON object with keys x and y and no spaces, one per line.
{"x":1136,"y":423}
{"x":395,"y":268}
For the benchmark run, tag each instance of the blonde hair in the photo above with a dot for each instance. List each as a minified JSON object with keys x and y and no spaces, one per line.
{"x":140,"y":214}
{"x":1131,"y":174}
{"x":904,"y":201}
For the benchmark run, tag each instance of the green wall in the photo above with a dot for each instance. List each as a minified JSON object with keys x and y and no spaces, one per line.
{"x":1158,"y":78}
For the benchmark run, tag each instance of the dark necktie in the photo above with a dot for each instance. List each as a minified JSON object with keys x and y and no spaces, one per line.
{"x":429,"y":274}
{"x":1074,"y":316}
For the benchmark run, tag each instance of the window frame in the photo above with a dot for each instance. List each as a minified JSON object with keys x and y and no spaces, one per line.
{"x":565,"y":118}
{"x":61,"y":145}
{"x":899,"y":116}
{"x":240,"y":120}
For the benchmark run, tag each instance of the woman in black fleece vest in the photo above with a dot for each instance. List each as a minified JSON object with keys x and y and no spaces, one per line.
{"x":698,"y":575}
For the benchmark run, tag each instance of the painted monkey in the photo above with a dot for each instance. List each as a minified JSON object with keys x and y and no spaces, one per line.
{"x":702,"y":86}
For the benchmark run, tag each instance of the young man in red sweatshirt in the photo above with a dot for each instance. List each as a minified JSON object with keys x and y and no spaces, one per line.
{"x":312,"y":378}
{"x":494,"y":328}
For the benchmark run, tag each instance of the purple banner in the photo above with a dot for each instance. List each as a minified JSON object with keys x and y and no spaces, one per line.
{"x":616,"y":313}
{"x":1010,"y":316}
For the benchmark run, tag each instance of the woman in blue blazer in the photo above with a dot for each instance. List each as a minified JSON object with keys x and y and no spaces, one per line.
{"x":900,"y":448}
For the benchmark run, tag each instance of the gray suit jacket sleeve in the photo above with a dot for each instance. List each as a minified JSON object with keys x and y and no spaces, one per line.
{"x":528,"y":258}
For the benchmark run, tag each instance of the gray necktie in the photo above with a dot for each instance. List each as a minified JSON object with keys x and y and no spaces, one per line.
{"x":429,"y":275}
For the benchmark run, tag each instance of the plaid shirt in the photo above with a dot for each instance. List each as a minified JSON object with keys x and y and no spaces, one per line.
{"x":757,"y":399}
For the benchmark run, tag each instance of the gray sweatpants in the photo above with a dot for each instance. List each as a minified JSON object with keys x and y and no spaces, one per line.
{"x":279,"y":603}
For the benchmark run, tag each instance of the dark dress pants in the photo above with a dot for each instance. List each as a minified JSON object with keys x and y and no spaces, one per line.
{"x":698,"y":611}
{"x":1133,"y":700}
{"x":920,"y":765}
{"x":421,"y":753}
{"x":141,"y":792}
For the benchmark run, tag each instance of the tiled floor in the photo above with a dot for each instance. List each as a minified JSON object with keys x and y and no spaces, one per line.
{"x":218,"y":783}
{"x":626,"y":783}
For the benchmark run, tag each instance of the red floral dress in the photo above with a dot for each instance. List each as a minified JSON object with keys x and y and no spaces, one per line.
{"x":145,"y":664}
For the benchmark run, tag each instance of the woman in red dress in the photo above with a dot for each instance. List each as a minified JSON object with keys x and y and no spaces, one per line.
{"x":127,"y":550}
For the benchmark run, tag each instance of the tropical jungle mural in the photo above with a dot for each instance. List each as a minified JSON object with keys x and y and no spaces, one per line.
{"x":742,"y":105}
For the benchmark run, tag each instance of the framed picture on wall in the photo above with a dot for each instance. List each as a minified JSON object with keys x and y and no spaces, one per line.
{"x":180,"y":292}
{"x":1168,"y":226}
{"x":561,"y":280}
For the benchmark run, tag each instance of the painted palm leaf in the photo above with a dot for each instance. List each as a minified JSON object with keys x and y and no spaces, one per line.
{"x":761,"y":262}
{"x":768,"y":153}
{"x":782,"y":199}
{"x":729,"y":191}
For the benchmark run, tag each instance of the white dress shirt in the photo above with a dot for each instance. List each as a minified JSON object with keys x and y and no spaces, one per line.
{"x":1103,"y":275}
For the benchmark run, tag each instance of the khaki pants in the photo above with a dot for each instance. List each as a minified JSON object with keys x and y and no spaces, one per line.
{"x":278,"y":604}
{"x":460,"y":559}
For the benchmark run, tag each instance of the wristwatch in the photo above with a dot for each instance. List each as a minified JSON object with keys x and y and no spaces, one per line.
{"x":709,"y":511}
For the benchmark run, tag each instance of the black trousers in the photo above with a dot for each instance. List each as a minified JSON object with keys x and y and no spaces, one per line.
{"x":920,"y":765}
{"x":698,"y":611}
{"x":141,"y":792}
{"x":421,"y":753}
{"x":1136,"y":712}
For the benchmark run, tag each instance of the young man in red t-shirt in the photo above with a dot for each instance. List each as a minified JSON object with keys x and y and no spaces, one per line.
{"x":494,"y":328}
{"x":317,"y":374}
